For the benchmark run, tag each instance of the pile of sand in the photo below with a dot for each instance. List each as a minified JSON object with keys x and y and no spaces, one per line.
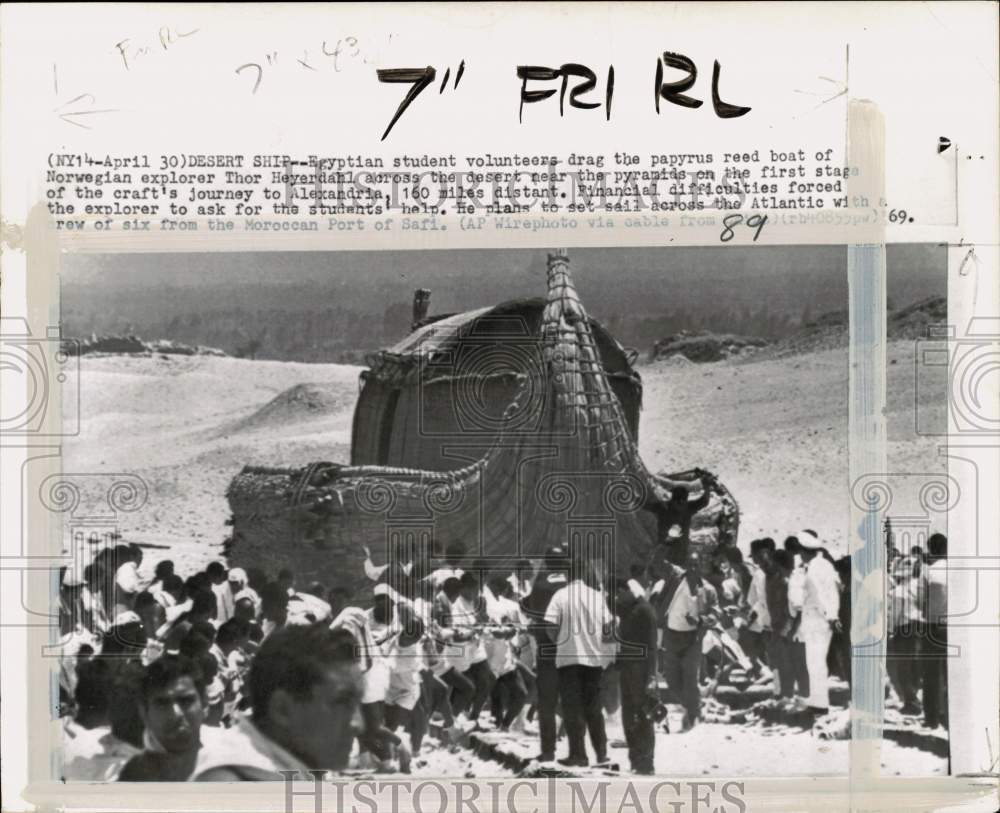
{"x":303,"y":402}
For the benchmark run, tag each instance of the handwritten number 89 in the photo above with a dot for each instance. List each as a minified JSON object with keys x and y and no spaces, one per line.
{"x":729,"y":221}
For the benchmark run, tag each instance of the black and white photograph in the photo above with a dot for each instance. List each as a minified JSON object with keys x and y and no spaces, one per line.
{"x":492,"y":406}
{"x":490,"y":513}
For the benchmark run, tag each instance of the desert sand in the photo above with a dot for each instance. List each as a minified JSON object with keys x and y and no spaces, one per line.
{"x":773,"y":430}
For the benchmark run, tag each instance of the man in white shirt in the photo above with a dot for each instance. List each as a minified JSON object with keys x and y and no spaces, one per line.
{"x":755,"y":636}
{"x":509,"y":690}
{"x":585,"y":645}
{"x":796,"y":596}
{"x":820,"y":617}
{"x":370,"y":629}
{"x":467,"y":616}
{"x":224,"y":596}
{"x":687,"y":605}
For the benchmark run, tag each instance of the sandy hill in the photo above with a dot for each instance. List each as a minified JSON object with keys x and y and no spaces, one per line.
{"x":830,"y":330}
{"x":774,"y":430}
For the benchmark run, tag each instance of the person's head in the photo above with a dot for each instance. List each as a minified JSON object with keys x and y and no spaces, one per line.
{"x":164,"y":568}
{"x":499,"y":586}
{"x":208,"y":666}
{"x":135,"y":554}
{"x":383,"y":607}
{"x":317,"y":589}
{"x":174,"y":586}
{"x":452,"y":588}
{"x":937,"y":547}
{"x":202,"y":606}
{"x":454,"y":554}
{"x":143,"y":602}
{"x":762,"y":551}
{"x":624,"y":597}
{"x":892,"y":554}
{"x":783,"y":562}
{"x":729,"y":560}
{"x":172,"y":703}
{"x":244,"y":610}
{"x":337,"y":599}
{"x":679,"y":494}
{"x":237,"y":577}
{"x":231,"y":635}
{"x":93,"y":692}
{"x":524,"y":568}
{"x":722,"y":562}
{"x":792,"y":545}
{"x":216,"y":572}
{"x":809,"y":545}
{"x":636,"y":571}
{"x":306,"y":689}
{"x":469,"y":587}
{"x":694,"y":563}
{"x":286,"y":579}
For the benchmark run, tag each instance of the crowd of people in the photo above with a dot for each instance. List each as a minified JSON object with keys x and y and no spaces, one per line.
{"x":230,"y":675}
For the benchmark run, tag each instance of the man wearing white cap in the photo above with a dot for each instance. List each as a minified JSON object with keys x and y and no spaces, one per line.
{"x":820,"y":617}
{"x":239,"y":585}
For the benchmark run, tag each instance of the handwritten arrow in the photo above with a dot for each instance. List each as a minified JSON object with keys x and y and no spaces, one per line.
{"x":70,"y":115}
{"x":836,"y":95}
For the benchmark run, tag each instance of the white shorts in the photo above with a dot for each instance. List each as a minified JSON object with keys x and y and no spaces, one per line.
{"x":404,"y":693}
{"x":375,"y":683}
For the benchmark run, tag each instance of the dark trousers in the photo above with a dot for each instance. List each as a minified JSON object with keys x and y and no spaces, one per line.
{"x":797,"y":653}
{"x":413,"y":721}
{"x":509,"y":694}
{"x":779,"y":654}
{"x":580,"y":694}
{"x":754,"y":644}
{"x":639,"y":732}
{"x":376,"y":738}
{"x":482,"y":680}
{"x":902,"y":653}
{"x":462,"y":689}
{"x":839,"y":659}
{"x":681,"y":662}
{"x":528,"y":678}
{"x":934,"y":669}
{"x":547,"y":687}
{"x":611,"y":699}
